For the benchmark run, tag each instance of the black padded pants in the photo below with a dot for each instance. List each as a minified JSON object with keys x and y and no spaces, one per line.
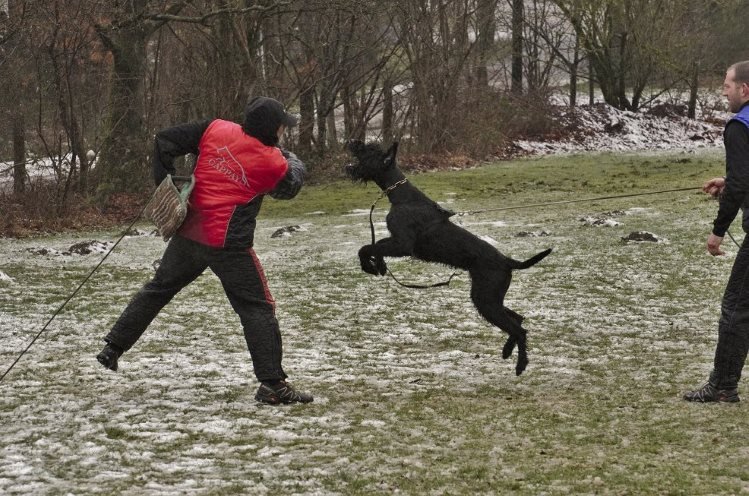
{"x":733,"y":327}
{"x":244,"y":283}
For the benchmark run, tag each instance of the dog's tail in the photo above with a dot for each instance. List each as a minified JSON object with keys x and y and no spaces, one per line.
{"x":531,"y":261}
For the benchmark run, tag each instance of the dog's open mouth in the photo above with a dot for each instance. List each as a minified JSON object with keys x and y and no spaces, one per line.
{"x":350,"y":170}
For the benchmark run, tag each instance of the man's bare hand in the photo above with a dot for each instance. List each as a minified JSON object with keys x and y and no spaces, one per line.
{"x":713,"y":245}
{"x":714,"y":187}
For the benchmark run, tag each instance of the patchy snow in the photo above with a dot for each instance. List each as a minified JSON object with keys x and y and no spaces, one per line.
{"x":79,"y":248}
{"x":357,"y":212}
{"x":601,"y":127}
{"x":41,"y":169}
{"x":411,"y":392}
{"x":600,"y":221}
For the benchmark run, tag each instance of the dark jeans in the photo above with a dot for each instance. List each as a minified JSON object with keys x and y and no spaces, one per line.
{"x":244,"y":282}
{"x":733,"y":327}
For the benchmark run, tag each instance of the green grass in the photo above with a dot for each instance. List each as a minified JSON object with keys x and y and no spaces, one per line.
{"x":411,"y":393}
{"x":547,"y":178}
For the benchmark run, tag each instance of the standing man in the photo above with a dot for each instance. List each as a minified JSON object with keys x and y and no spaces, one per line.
{"x":732,"y":191}
{"x":236,"y":167}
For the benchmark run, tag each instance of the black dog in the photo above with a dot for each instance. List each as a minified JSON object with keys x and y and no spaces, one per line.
{"x":420,"y":228}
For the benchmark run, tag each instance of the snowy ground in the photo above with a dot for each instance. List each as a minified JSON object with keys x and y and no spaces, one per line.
{"x":411,"y":393}
{"x":604,"y":128}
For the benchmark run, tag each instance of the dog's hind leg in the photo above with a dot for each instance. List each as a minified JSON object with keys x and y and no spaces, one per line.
{"x":515,"y":315}
{"x":510,"y":344}
{"x":487,"y":293}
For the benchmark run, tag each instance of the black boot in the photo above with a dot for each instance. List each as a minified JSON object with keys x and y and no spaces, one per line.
{"x":280,"y":392}
{"x":716,"y":390}
{"x":108,"y":356}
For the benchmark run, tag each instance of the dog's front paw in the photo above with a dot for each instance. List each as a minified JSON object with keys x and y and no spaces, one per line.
{"x":382,"y":268}
{"x":369,"y":265}
{"x":367,"y":260}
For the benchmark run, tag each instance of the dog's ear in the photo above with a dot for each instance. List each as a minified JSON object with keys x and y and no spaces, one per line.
{"x":390,"y":154}
{"x":355,"y":146}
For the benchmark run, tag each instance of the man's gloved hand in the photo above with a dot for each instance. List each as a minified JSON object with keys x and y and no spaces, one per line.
{"x":294,"y":179}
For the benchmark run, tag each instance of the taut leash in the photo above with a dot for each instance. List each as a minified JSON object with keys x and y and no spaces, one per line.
{"x":57,"y":312}
{"x":580,"y":200}
{"x":513,"y":207}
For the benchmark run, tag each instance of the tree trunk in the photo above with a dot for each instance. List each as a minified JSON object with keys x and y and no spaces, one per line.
{"x":607,"y":80}
{"x":621,"y":84}
{"x":348,"y":113}
{"x":322,"y":128}
{"x":19,"y":152}
{"x":387,"y":112}
{"x":332,"y":131}
{"x":122,"y":163}
{"x":307,"y":122}
{"x":694,"y":81}
{"x":487,"y":26}
{"x":574,"y":67}
{"x":517,"y":47}
{"x":325,"y":106}
{"x":69,"y":122}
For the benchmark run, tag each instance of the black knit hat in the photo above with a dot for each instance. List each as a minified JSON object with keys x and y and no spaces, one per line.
{"x":262,"y":118}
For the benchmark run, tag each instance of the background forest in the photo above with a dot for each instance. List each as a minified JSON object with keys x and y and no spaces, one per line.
{"x":86,"y":83}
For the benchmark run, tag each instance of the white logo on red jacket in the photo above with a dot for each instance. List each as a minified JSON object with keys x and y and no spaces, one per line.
{"x":226,"y":164}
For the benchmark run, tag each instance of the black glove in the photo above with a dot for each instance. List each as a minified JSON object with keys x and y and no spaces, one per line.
{"x":292,"y":181}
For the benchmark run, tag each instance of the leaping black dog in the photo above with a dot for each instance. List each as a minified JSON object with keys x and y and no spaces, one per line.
{"x":420,"y":228}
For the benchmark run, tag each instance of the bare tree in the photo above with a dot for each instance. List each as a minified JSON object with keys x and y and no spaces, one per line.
{"x":434,"y":73}
{"x":125,"y":31}
{"x":434,"y":37}
{"x":66,"y":49}
{"x":486,"y":27}
{"x":543,"y":42}
{"x":14,"y":54}
{"x":517,"y":46}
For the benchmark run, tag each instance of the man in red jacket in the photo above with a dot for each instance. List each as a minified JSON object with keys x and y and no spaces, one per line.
{"x":236,"y":167}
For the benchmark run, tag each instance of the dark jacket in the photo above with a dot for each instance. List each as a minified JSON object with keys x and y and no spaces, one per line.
{"x":233,"y":172}
{"x":735,"y":195}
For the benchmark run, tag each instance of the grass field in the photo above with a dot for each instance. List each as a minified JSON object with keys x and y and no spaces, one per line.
{"x":411,"y":393}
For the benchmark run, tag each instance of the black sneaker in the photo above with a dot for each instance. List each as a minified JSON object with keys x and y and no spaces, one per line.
{"x":279,"y":393}
{"x":109,"y":355}
{"x":709,"y":393}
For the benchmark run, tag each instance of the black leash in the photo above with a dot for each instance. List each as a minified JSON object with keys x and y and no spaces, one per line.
{"x":514,"y":207}
{"x":382,"y":195}
{"x":423,"y":286}
{"x":372,"y":229}
{"x":733,"y":239}
{"x":57,"y":312}
{"x":563,"y":202}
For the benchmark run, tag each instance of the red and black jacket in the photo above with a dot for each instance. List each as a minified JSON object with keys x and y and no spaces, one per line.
{"x":233,"y":172}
